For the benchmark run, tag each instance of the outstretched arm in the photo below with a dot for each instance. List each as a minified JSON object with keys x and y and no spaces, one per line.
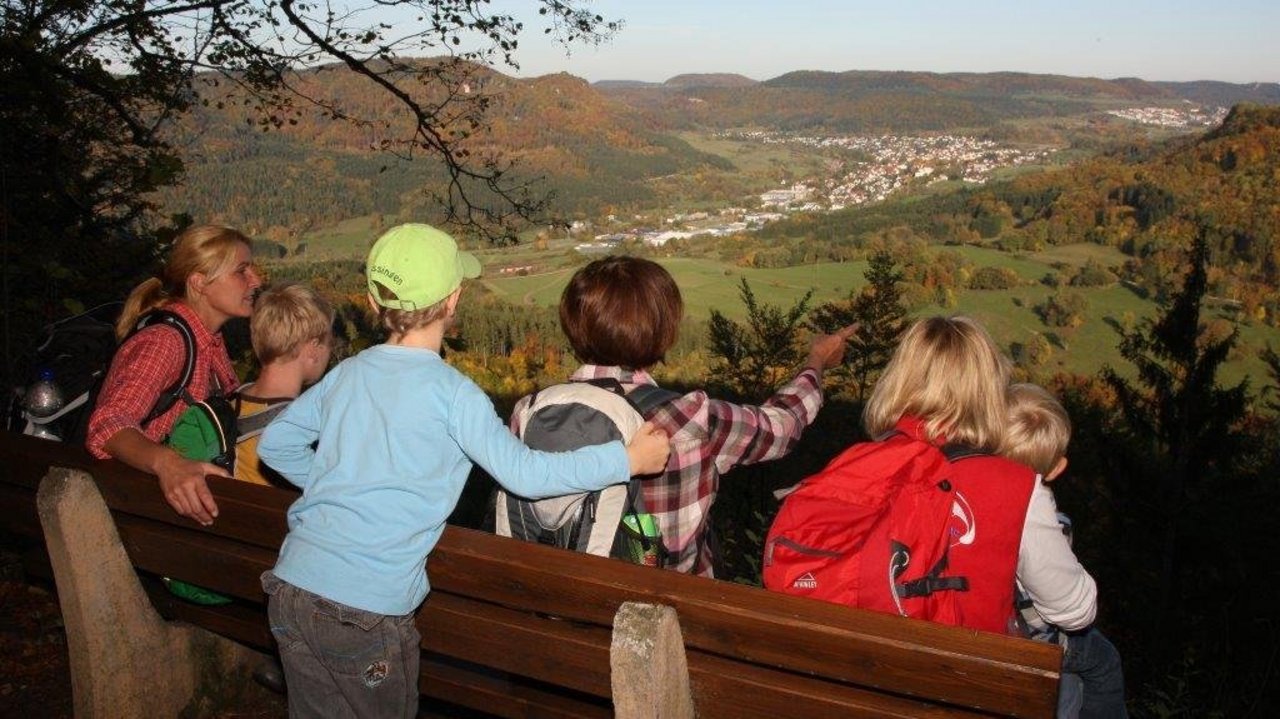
{"x":746,"y":434}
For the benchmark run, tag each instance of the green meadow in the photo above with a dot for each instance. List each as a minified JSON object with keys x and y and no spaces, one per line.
{"x":710,"y":284}
{"x":1009,"y":314}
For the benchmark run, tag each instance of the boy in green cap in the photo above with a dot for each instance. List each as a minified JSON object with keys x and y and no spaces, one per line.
{"x":381,"y":448}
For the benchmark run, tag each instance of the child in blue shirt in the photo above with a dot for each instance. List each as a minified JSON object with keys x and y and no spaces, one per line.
{"x":381,"y":448}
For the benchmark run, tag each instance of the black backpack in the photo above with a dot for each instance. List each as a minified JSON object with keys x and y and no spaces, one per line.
{"x":78,"y":351}
{"x":609,"y":522}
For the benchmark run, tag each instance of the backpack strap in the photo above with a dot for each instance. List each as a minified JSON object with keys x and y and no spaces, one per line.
{"x":177,"y":390}
{"x":648,"y":397}
{"x":644,"y":398}
{"x":610,"y":384}
{"x":954,"y":452}
{"x":888,"y":434}
{"x":251,"y":425}
{"x":932,"y":582}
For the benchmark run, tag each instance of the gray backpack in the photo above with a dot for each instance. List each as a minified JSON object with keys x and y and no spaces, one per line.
{"x":611,"y":522}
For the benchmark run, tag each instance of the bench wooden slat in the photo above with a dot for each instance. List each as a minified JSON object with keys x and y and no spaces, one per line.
{"x":999,"y":674}
{"x":475,"y":688}
{"x":247,"y":512}
{"x":240,"y":622}
{"x":539,"y":647}
{"x":225,"y":566}
{"x":726,"y":689}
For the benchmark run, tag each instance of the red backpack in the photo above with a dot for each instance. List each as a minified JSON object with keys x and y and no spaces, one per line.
{"x":871,"y":530}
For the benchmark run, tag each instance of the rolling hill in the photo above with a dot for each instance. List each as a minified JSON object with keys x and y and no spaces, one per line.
{"x":609,"y":148}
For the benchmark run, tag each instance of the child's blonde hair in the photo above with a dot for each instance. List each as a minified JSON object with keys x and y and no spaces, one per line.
{"x":1038,"y":430}
{"x":398,"y":322}
{"x":209,"y":249}
{"x":948,"y":372}
{"x":285,"y":317}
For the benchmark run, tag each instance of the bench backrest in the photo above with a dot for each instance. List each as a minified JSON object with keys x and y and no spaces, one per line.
{"x":510,"y":626}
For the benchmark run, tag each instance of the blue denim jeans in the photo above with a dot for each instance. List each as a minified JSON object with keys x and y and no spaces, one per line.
{"x":1092,"y":685}
{"x":340,"y":661}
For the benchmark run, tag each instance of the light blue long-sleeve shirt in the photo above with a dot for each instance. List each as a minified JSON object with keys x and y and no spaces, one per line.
{"x":381,"y":448}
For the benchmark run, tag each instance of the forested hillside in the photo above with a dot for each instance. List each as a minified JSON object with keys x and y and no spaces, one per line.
{"x":1147,"y":200}
{"x":866,"y":101}
{"x":604,"y":149}
{"x":312,"y":172}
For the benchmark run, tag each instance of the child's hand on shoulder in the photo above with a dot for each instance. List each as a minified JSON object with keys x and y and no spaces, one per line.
{"x":648,"y":450}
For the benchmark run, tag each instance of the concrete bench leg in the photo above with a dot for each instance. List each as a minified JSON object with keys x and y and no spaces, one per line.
{"x":648,"y":670}
{"x":125,"y":660}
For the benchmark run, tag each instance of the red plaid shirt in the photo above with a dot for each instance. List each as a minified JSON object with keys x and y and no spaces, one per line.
{"x":145,"y":366}
{"x":710,"y":437}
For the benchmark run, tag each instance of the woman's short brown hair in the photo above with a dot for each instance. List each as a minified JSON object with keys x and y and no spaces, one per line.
{"x":622,"y":311}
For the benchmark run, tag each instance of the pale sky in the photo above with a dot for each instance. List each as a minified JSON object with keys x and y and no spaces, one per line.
{"x":1233,"y":40}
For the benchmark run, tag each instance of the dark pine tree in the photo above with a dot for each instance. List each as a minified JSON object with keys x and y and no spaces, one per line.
{"x":755,"y":357}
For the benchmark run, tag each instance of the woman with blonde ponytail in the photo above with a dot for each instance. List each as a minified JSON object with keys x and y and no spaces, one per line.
{"x":208,"y":279}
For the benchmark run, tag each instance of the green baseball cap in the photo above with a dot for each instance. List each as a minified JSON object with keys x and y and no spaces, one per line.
{"x":420,"y":263}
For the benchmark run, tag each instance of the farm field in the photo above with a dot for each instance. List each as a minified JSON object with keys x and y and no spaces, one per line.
{"x":1009,"y":314}
{"x":711,"y":284}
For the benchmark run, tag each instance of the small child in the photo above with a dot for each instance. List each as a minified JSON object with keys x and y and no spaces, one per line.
{"x":292,"y":335}
{"x":1037,"y":435}
{"x":381,"y":447}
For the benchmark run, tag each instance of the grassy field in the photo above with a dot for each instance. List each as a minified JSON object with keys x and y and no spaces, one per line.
{"x":1009,"y":314}
{"x":352,"y":238}
{"x":709,"y":284}
{"x":759,"y":159}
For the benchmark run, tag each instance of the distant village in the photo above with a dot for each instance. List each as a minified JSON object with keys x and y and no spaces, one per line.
{"x":893,"y":162}
{"x":1187,"y":116}
{"x":889,"y":163}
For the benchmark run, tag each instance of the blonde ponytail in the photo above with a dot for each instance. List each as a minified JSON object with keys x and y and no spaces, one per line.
{"x":148,"y":295}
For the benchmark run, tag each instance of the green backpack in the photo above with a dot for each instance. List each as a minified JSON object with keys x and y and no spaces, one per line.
{"x":205,"y":431}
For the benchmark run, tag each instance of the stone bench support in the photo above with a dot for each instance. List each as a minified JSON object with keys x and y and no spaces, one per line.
{"x":126,"y":661}
{"x":648,"y":668}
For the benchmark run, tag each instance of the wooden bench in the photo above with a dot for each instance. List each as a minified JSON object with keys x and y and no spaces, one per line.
{"x":515,"y":629}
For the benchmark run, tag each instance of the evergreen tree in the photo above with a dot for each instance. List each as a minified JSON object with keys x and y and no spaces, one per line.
{"x":881,"y":316}
{"x":755,"y":357}
{"x":1181,"y":429}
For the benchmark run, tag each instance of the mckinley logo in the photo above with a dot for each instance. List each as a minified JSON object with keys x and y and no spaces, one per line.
{"x":805,"y":581}
{"x":380,"y":270}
